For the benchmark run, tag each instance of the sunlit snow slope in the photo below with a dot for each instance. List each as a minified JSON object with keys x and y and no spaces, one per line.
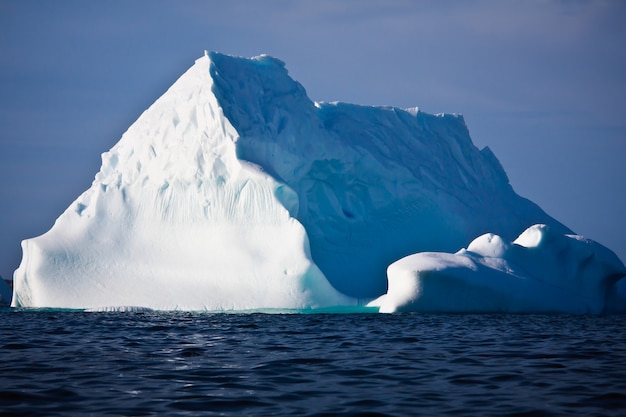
{"x":174,"y":220}
{"x":214,"y":195}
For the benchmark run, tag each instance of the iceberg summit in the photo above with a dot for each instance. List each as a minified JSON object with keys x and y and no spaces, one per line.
{"x":235,"y":191}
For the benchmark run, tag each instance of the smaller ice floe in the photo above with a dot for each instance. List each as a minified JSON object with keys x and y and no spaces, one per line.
{"x":540,"y":272}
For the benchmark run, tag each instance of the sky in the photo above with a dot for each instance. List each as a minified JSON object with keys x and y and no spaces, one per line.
{"x":542,"y":83}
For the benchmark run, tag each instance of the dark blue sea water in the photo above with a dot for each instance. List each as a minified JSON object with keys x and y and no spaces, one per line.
{"x":56,"y":363}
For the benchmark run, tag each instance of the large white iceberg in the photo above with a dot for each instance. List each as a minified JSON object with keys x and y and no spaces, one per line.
{"x":540,"y":272}
{"x":235,"y":191}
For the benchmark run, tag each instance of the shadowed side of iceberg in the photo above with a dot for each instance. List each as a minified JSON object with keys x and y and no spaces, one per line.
{"x":373,"y":183}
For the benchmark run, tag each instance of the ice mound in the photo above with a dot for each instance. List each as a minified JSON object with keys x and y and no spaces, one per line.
{"x":234,"y":191}
{"x":542,"y":271}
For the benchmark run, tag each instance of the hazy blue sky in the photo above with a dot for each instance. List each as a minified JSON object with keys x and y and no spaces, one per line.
{"x":542,"y":83}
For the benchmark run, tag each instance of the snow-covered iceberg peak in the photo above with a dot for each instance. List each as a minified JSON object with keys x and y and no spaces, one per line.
{"x":174,"y":220}
{"x":540,"y":272}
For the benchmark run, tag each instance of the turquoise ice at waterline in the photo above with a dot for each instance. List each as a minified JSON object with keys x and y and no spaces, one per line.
{"x":235,"y":192}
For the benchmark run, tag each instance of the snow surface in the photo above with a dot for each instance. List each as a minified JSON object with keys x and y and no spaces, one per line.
{"x":540,"y":272}
{"x":234,"y":191}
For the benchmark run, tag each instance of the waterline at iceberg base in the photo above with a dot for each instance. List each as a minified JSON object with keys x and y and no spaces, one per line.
{"x":234,"y":191}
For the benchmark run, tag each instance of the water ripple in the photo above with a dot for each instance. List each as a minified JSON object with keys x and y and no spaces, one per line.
{"x":180,"y":364}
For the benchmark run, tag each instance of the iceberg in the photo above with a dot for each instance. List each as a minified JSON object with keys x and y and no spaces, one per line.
{"x":235,"y":191}
{"x":540,"y":272}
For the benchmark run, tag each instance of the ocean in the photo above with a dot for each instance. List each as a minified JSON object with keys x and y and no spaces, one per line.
{"x":64,"y":363}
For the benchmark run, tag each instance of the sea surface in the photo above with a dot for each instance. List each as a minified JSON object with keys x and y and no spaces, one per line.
{"x":61,"y":363}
